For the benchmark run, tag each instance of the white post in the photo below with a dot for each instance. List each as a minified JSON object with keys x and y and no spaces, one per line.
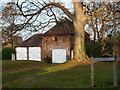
{"x":92,"y":73}
{"x":13,"y":57}
{"x":114,"y":50}
{"x":71,"y":54}
{"x":114,"y":74}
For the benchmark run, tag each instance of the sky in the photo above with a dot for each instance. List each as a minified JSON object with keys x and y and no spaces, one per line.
{"x":66,"y":2}
{"x":26,"y":34}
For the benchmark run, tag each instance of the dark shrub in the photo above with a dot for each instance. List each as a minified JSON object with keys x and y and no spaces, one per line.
{"x":108,"y":46}
{"x":7,"y":53}
{"x":107,"y":49}
{"x":48,"y":59}
{"x":93,"y":49}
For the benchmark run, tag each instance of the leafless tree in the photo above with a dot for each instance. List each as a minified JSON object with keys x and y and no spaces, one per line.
{"x":9,"y":22}
{"x":13,"y":41}
{"x":42,"y":13}
{"x":102,"y":23}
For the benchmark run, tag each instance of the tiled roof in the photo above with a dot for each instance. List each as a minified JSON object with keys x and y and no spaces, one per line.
{"x":35,"y":40}
{"x":63,"y":27}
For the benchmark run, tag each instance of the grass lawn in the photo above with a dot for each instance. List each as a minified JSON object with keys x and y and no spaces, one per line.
{"x":73,"y":74}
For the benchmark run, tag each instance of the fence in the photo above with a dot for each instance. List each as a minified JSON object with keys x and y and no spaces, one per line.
{"x":109,"y":59}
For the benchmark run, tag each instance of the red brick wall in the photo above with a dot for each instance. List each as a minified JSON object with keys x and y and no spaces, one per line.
{"x":62,"y":42}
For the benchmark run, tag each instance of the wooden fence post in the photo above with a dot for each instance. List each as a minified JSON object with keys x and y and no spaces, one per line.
{"x":92,"y":73}
{"x":114,"y":74}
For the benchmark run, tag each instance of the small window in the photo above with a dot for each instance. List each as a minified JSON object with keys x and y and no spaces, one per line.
{"x":55,"y":38}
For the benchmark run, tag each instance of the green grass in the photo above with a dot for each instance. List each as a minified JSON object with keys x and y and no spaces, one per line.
{"x":73,"y":74}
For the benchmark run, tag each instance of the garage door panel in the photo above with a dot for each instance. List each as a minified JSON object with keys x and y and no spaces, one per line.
{"x":35,"y":53}
{"x":58,"y":55}
{"x":21,"y":53}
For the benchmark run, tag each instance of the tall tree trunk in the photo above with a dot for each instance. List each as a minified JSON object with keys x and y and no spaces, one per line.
{"x":79,"y":38}
{"x":79,"y":42}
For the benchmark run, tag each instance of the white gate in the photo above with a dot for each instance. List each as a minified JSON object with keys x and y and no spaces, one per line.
{"x":58,"y":55}
{"x":21,"y":53}
{"x":35,"y":53}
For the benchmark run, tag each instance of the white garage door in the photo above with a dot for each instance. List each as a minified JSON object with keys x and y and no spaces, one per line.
{"x":21,"y":53}
{"x":58,"y":55}
{"x":35,"y":53}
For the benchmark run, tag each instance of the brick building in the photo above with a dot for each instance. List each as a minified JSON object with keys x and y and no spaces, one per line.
{"x":57,"y":43}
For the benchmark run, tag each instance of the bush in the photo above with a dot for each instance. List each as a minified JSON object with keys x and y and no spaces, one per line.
{"x":48,"y":59}
{"x":107,"y":46}
{"x":7,"y":53}
{"x":93,"y":49}
{"x":107,"y":49}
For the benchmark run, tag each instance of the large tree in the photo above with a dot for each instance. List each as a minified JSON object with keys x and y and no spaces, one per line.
{"x":81,"y":13}
{"x":9,"y":25}
{"x":102,"y":23}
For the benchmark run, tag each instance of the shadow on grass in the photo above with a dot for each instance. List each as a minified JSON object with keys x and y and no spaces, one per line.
{"x":68,"y":75}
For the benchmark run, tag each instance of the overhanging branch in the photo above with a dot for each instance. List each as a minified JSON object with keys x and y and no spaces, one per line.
{"x":47,"y":5}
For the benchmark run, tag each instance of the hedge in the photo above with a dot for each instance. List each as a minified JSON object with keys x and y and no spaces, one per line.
{"x":7,"y":53}
{"x":93,"y":49}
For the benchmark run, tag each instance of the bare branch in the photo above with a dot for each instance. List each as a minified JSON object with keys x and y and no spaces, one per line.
{"x":50,"y":4}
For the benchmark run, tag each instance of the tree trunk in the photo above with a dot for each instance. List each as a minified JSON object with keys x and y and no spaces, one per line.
{"x":79,"y":42}
{"x":79,"y":38}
